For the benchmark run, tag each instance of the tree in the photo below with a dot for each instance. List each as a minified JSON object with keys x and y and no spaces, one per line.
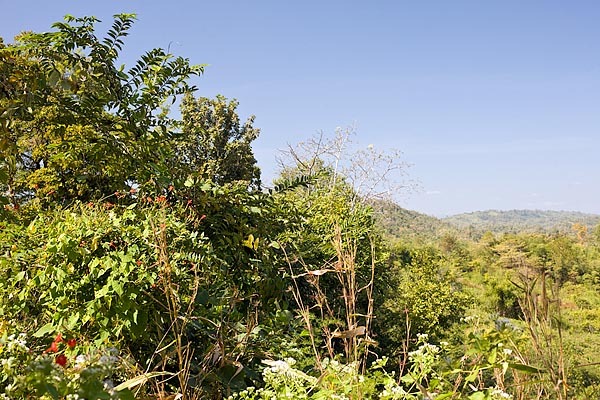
{"x":214,"y":144}
{"x":73,"y":124}
{"x":421,"y":296}
{"x":371,"y":173}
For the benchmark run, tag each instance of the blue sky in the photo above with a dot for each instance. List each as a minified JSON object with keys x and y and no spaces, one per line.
{"x":496,"y":104}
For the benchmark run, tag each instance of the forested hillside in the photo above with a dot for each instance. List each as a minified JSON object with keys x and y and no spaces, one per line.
{"x":141,"y":255}
{"x":398,"y":222}
{"x":514,"y":221}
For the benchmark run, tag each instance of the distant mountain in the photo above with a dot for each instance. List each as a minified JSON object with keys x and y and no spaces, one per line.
{"x":398,"y":222}
{"x":521,"y":220}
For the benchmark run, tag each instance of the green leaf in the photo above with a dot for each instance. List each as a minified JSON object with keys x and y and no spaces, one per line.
{"x":54,"y":78}
{"x":48,"y":328}
{"x":189,"y":182}
{"x":73,"y":321}
{"x":117,"y":286}
{"x":492,"y":356}
{"x":525,"y":368}
{"x":472,"y":376}
{"x":126,"y":394}
{"x":477,"y":396}
{"x":202,"y":297}
{"x":20,"y":276}
{"x":102,"y":292}
{"x":51,"y":390}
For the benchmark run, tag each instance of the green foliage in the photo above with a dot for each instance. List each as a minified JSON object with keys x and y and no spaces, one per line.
{"x":332,"y":254}
{"x":119,"y":274}
{"x":74,"y":124}
{"x":422,"y":296}
{"x":547,"y":280}
{"x":87,"y":269}
{"x":133,"y":233}
{"x":214,"y":145}
{"x":338,"y":381}
{"x":400,"y":224}
{"x":176,"y":271}
{"x":65,"y":368}
{"x":482,"y":371}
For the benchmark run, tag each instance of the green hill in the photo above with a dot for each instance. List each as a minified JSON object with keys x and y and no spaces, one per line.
{"x":398,"y":222}
{"x":514,"y":221}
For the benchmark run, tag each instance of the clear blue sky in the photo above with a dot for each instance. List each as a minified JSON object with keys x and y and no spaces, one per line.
{"x":497,"y":104}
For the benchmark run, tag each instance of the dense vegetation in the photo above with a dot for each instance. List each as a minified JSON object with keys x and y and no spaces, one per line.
{"x":140,"y":256}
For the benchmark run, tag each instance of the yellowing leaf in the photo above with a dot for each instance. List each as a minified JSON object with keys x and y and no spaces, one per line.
{"x":140,"y":380}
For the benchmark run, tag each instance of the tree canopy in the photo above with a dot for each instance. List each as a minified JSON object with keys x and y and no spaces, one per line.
{"x":74,"y":123}
{"x":215,"y":145}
